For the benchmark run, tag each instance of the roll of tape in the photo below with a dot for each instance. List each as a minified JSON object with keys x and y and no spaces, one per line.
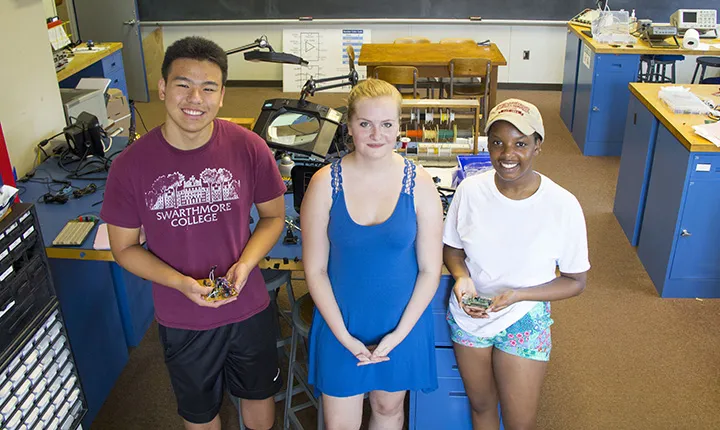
{"x":691,"y":39}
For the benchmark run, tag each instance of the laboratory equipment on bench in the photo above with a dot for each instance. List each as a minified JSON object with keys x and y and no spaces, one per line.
{"x":662,"y":36}
{"x":702,"y":20}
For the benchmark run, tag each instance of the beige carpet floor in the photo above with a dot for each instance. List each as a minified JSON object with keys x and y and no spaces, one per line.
{"x":622,"y":359}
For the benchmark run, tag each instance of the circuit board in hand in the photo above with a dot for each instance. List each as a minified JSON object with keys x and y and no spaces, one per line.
{"x":477,"y":301}
{"x":222,"y":289}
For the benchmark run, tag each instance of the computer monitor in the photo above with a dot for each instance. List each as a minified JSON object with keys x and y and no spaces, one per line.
{"x":301,"y":175}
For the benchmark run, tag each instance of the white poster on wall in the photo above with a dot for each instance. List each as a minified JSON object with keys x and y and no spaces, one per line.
{"x":324,"y":50}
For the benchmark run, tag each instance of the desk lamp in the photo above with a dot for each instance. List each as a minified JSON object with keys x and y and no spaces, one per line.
{"x":269,"y":56}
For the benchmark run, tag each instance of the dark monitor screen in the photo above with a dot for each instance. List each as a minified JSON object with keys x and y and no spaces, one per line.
{"x":301,"y":175}
{"x":690,"y":17}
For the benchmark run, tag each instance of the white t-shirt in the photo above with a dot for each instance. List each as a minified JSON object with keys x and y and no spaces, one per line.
{"x":513,"y":243}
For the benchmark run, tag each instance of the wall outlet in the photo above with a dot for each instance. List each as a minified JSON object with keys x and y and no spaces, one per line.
{"x":526,"y":55}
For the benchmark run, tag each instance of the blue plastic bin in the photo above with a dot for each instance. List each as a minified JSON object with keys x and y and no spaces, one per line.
{"x":469,"y":165}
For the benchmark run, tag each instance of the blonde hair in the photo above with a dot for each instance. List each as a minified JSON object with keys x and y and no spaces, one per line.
{"x":370,"y":89}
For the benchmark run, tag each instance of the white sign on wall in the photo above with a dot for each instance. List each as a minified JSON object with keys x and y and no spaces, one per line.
{"x":324,"y":50}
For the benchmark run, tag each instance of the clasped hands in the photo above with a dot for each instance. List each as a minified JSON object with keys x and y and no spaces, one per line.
{"x":465,"y":287}
{"x":371,"y":354}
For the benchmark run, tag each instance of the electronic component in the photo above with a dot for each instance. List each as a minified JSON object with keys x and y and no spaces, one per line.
{"x":222,"y":289}
{"x":75,"y":231}
{"x":657,"y":36}
{"x":586,"y":17}
{"x":698,"y":19}
{"x":477,"y":301}
{"x":84,"y":136}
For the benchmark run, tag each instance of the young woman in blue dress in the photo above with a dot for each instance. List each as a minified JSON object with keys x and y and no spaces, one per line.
{"x":372,"y":254}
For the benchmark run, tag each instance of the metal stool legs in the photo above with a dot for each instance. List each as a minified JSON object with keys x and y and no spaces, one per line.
{"x":297,"y":371}
{"x":275,"y":279}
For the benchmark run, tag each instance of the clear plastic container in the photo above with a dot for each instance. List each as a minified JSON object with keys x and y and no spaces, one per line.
{"x":681,"y":100}
{"x":612,"y":27}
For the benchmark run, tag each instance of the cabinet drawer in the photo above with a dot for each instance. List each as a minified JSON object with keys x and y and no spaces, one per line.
{"x":446,"y":364}
{"x":112,"y":63}
{"x":442,"y":330}
{"x":445,"y":408}
{"x":439,"y":302}
{"x":117,"y":80}
{"x":705,"y":166}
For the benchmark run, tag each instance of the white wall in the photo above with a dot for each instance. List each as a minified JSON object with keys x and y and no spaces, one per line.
{"x":30,"y":106}
{"x":545,"y":43}
{"x":50,"y":9}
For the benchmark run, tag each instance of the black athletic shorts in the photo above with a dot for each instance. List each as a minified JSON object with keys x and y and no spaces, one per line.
{"x":241,"y":357}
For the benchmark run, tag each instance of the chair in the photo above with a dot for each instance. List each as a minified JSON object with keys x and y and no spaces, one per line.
{"x":296,"y":371}
{"x":479,"y":87}
{"x":412,"y":39}
{"x":655,"y":69}
{"x":704,"y":63}
{"x":274,"y":280}
{"x":400,"y":76}
{"x":351,"y":57}
{"x":457,"y":40}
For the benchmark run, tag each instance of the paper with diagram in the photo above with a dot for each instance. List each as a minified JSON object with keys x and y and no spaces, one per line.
{"x":324,"y":50}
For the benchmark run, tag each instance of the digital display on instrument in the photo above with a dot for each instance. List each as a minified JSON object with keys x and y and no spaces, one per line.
{"x":690,"y":17}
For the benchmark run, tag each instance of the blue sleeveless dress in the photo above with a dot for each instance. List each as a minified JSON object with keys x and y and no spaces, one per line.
{"x":372,"y":270}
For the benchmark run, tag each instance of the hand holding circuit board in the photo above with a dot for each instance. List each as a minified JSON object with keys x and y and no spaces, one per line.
{"x":477,"y":301}
{"x":222,"y":288}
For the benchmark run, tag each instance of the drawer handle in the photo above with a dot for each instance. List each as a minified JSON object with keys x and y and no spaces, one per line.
{"x":457,"y":394}
{"x":455,"y":367}
{"x":685,"y":233}
{"x":618,"y":65}
{"x":596,"y":109}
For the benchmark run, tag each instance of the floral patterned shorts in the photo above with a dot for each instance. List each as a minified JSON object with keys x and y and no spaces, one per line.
{"x":529,"y":337}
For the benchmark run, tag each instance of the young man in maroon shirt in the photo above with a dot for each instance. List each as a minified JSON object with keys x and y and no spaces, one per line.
{"x":191,"y":183}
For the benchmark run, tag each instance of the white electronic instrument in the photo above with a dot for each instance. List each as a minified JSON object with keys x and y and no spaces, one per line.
{"x":699,"y":19}
{"x":586,"y":17}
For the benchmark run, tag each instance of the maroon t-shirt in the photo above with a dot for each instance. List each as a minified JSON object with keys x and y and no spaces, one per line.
{"x":195,"y":208}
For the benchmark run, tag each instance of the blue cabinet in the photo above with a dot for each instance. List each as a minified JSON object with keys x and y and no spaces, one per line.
{"x":93,"y":323}
{"x":697,"y":254}
{"x":679,"y":237}
{"x":110,"y":67}
{"x":601,"y":101}
{"x":635,"y":166}
{"x":448,"y":407}
{"x":569,"y":86}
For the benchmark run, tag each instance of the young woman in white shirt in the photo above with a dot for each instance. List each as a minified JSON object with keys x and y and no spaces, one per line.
{"x":506,"y":232}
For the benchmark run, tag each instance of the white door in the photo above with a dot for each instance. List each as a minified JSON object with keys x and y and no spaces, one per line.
{"x":116,"y":21}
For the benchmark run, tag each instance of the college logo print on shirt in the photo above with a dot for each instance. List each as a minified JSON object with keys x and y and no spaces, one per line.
{"x":183,"y":202}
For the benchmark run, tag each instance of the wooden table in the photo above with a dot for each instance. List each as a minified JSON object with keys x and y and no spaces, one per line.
{"x":679,"y":125}
{"x":431,"y":59}
{"x":667,"y":198}
{"x":82,"y":60}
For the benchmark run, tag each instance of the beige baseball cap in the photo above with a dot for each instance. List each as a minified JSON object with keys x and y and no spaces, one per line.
{"x":523,"y":115}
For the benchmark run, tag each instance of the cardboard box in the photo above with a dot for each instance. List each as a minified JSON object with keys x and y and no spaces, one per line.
{"x":118,"y":112}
